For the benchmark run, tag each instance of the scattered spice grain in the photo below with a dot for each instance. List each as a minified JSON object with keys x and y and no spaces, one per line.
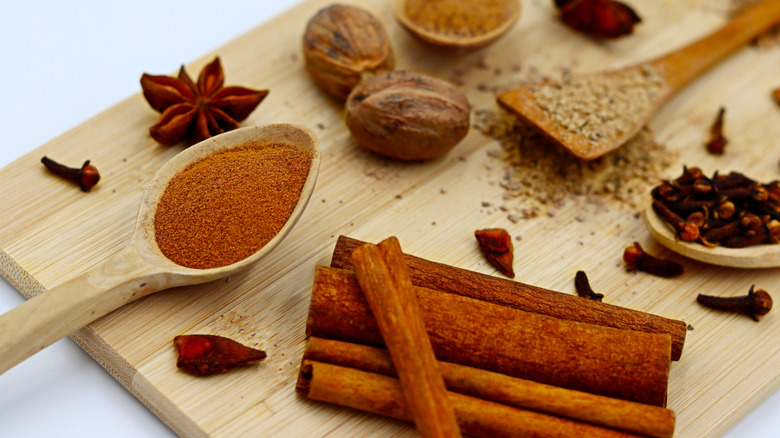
{"x":539,"y":176}
{"x":226,"y":206}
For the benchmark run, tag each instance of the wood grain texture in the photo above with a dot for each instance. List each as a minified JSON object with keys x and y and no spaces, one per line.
{"x":52,"y":232}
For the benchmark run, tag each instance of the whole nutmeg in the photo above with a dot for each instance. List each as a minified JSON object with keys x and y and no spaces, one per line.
{"x":340,"y":44}
{"x":407,"y":115}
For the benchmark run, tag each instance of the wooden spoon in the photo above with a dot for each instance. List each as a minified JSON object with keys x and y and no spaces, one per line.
{"x":448,"y":38}
{"x":757,"y":256}
{"x":141,"y":269}
{"x":665,"y":76}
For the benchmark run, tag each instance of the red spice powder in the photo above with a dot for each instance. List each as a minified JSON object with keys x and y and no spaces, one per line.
{"x":225,"y":207}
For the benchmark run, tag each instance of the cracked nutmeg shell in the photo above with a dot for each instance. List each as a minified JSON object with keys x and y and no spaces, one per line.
{"x":340,"y":44}
{"x":407,"y":115}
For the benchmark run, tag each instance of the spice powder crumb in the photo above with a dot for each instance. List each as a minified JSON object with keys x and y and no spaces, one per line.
{"x":225,"y":207}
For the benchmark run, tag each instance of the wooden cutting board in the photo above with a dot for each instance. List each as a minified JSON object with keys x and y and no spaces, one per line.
{"x":52,"y":231}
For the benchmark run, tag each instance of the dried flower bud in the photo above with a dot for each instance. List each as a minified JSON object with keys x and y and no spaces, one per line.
{"x":750,"y":221}
{"x":725,"y":210}
{"x":637,"y":259}
{"x":599,"y":18}
{"x":774,"y":230}
{"x":689,"y":232}
{"x":717,"y":142}
{"x":340,"y":44}
{"x":702,"y":186}
{"x":86,"y":176}
{"x":697,"y":219}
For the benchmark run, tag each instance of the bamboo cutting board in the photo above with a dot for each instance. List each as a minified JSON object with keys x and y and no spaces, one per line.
{"x":51,"y":232}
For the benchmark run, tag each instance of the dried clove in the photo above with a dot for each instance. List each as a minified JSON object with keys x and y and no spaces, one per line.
{"x":205,"y":355}
{"x":683,"y":230}
{"x":731,"y":210}
{"x":689,"y":175}
{"x":86,"y":177}
{"x":583,"y":288}
{"x":755,"y":303}
{"x":637,"y":259}
{"x":496,"y":246}
{"x":724,"y":210}
{"x":731,"y":181}
{"x":717,"y":142}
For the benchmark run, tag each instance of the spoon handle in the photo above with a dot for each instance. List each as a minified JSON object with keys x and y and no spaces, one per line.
{"x":681,"y":66}
{"x":54,"y":314}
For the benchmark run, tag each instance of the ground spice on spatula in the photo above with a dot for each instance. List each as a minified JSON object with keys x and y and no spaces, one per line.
{"x":227,"y":206}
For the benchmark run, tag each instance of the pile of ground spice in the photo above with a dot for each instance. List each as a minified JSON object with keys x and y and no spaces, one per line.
{"x":539,"y":176}
{"x":602,"y":106}
{"x":458,"y":17}
{"x":225,"y":207}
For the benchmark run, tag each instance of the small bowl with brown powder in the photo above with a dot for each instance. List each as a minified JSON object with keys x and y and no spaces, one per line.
{"x":457,"y":24}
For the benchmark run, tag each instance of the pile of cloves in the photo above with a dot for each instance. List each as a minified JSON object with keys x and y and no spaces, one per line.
{"x":731,"y":210}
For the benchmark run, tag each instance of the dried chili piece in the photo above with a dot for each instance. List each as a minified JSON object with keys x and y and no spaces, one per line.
{"x":599,"y":18}
{"x":496,"y":246}
{"x":205,"y":355}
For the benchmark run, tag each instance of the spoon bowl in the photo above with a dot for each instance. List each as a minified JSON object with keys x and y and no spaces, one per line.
{"x":665,"y":75}
{"x":141,"y":268}
{"x":508,"y":10}
{"x":757,"y":256}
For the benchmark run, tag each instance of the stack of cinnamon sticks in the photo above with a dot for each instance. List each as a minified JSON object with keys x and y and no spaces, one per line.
{"x":516,"y":360}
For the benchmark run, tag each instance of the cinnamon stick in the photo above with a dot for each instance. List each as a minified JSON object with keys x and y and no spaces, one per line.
{"x":624,"y":364}
{"x":642,"y":419}
{"x":382,"y":395}
{"x":521,"y":296}
{"x":385,"y":282}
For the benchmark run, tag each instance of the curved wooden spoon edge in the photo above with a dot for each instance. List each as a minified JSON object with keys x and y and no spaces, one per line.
{"x":290,"y":134}
{"x":752,"y":257}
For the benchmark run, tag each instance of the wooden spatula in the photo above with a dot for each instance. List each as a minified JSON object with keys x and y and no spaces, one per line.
{"x":555,"y":109}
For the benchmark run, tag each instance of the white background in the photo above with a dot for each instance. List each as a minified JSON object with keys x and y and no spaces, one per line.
{"x":60,"y":64}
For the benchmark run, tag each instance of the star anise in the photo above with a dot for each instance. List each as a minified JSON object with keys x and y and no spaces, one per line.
{"x":599,"y":18}
{"x":197,"y":111}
